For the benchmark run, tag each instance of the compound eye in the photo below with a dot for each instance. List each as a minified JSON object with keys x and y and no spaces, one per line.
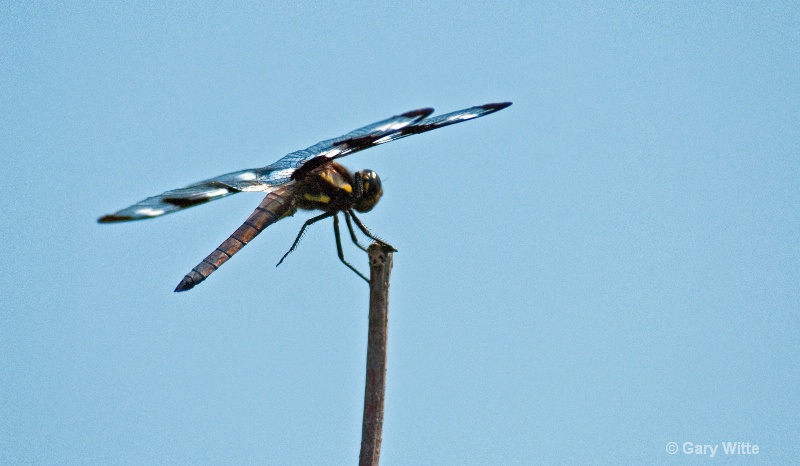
{"x":372,"y":190}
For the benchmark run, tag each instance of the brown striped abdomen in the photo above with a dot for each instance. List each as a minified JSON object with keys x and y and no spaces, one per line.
{"x":275,"y":206}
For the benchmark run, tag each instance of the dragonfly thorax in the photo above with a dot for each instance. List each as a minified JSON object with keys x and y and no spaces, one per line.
{"x":333,"y":188}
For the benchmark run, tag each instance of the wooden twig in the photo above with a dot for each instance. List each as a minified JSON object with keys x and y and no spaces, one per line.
{"x":380,"y":265}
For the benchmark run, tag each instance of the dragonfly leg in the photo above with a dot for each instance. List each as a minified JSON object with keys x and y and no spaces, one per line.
{"x":339,"y":248}
{"x":352,"y":232}
{"x":308,"y":223}
{"x":366,"y":231}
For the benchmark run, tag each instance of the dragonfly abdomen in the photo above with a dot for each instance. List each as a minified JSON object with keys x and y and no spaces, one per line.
{"x":276,"y":205}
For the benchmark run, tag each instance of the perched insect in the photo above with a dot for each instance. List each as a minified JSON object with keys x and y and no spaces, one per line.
{"x":307,"y":179}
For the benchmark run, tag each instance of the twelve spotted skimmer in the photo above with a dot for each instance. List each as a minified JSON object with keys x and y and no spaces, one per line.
{"x":306,"y":179}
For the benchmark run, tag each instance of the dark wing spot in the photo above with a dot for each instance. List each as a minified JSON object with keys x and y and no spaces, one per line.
{"x":184,"y":202}
{"x":367,"y":141}
{"x":361,"y":143}
{"x":114,"y":218}
{"x":310,"y":166}
{"x":496,"y":107}
{"x":422,"y":112}
{"x":416,"y":129}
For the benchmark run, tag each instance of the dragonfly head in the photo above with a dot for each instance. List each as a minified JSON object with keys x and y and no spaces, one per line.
{"x":370,"y":189}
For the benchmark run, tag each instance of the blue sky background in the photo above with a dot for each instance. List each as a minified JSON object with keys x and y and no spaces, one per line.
{"x":608,"y":265}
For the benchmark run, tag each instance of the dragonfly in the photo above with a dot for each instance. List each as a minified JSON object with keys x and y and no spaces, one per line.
{"x":308,"y":179}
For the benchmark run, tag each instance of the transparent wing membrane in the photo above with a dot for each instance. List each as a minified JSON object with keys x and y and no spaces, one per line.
{"x":268,"y":178}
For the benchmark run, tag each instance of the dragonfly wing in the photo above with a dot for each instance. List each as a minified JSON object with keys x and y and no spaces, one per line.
{"x":281,"y":171}
{"x":439,"y":121}
{"x":381,"y":132}
{"x":190,"y":196}
{"x":262,"y":179}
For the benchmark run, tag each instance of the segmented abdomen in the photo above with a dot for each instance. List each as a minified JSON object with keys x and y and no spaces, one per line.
{"x":276,"y":205}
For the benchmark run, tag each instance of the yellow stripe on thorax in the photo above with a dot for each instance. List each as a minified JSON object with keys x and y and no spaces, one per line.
{"x":339,"y":183}
{"x":319,"y":198}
